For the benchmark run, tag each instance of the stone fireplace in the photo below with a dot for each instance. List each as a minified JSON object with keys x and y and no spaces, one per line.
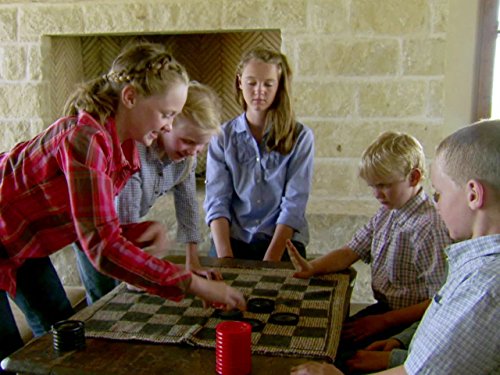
{"x":360,"y":67}
{"x":210,"y":58}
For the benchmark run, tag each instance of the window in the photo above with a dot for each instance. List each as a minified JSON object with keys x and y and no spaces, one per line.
{"x":495,"y":104}
{"x":488,"y":65}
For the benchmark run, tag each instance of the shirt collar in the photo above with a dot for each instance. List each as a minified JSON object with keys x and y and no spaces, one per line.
{"x":125,"y":154}
{"x":241,"y":126}
{"x":410,"y":207}
{"x":465,"y":251}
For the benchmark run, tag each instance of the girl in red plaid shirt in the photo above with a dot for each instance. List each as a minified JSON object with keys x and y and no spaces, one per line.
{"x":59,"y":187}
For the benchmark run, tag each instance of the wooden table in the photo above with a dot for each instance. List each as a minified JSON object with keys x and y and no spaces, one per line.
{"x":103,"y":357}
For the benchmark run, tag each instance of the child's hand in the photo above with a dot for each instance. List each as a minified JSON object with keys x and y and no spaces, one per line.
{"x":193,"y":265}
{"x":363,"y":328}
{"x":151,"y":236}
{"x":217,"y":292}
{"x":315,"y":368}
{"x":385,"y":345}
{"x":302,"y":266}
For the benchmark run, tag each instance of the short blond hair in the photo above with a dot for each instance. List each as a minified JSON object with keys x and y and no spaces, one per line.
{"x":392,"y":154}
{"x":203,"y":108}
{"x":473,"y":152}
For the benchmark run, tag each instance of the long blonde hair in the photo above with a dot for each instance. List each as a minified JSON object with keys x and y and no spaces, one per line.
{"x":203,"y":108}
{"x":280,"y":118}
{"x":148,"y":67}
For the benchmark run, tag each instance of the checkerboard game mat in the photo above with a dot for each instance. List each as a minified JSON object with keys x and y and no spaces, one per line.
{"x":319,"y":302}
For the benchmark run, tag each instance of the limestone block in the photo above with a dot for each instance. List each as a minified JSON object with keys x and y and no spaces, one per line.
{"x":8,"y":24}
{"x":13,"y":132}
{"x":324,"y":99}
{"x":109,"y":18}
{"x":290,"y":15}
{"x":424,"y":56}
{"x":35,"y":64}
{"x":335,"y":178}
{"x":164,"y":16}
{"x":329,"y":16}
{"x":436,"y":98}
{"x":401,"y":98}
{"x":343,"y":138}
{"x":64,"y":262}
{"x":243,"y":14}
{"x":392,"y":17}
{"x":439,"y":15}
{"x":13,"y":64}
{"x":36,"y":20}
{"x":200,"y":15}
{"x":326,"y":57}
{"x":21,"y":101}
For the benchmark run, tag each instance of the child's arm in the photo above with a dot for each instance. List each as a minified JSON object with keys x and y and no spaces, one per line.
{"x":334,"y":261}
{"x":277,"y":246}
{"x":220,"y":234}
{"x":365,"y":327}
{"x":216,"y":291}
{"x":193,"y":263}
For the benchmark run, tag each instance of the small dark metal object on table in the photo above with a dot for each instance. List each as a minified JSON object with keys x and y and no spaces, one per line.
{"x":260,"y":305}
{"x":68,"y":335}
{"x":284,"y":319}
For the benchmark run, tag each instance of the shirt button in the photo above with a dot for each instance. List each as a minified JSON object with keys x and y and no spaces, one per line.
{"x":258,"y":159}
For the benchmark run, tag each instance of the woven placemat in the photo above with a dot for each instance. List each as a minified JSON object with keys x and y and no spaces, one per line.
{"x":319,"y":302}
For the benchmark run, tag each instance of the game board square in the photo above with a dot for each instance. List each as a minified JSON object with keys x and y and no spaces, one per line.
{"x":243,"y":284}
{"x":313,"y":322}
{"x":313,"y":304}
{"x":151,"y":300}
{"x":99,"y":325}
{"x":145,"y":308}
{"x":314,"y":313}
{"x":117,"y":306}
{"x":155,"y":329}
{"x":311,"y":344}
{"x":309,"y":331}
{"x":171,"y":310}
{"x":273,"y":279}
{"x":264,"y":293}
{"x":289,"y":302}
{"x":323,"y":282}
{"x":294,"y":287}
{"x":318,"y":295}
{"x":274,"y":340}
{"x":135,"y":316}
{"x":229,"y":276}
{"x":127,"y":327}
{"x":192,"y":320}
{"x":267,"y":285}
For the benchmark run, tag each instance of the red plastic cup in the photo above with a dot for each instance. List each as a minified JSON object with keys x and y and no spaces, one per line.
{"x":233,"y":348}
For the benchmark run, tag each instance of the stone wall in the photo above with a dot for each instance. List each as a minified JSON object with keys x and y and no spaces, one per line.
{"x":361,"y":67}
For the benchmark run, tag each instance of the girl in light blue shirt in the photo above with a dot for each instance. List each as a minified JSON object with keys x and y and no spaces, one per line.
{"x":259,"y":169}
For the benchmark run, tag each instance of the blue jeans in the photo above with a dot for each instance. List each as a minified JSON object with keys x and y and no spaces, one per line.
{"x":255,"y":250}
{"x":40,"y":296}
{"x":96,"y":284}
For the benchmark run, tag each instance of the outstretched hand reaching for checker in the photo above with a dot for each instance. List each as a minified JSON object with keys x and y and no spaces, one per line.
{"x":302,"y":266}
{"x":218,"y":292}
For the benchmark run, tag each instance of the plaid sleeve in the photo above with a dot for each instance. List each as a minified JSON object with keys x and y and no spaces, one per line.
{"x":85,"y":159}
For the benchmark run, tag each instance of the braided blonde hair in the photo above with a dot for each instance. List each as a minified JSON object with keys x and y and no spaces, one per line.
{"x":148,"y":67}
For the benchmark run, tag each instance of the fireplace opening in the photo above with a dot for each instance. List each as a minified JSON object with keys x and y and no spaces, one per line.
{"x":210,"y":58}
